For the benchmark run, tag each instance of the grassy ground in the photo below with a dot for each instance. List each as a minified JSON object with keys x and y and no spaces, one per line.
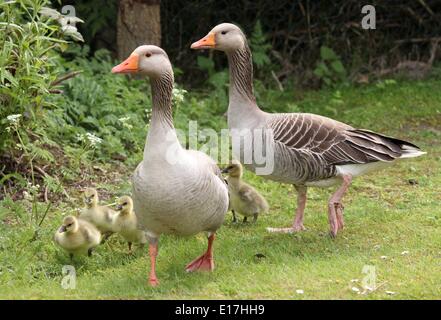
{"x":391,"y":224}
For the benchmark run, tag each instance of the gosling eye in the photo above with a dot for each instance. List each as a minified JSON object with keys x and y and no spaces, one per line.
{"x":148,"y":54}
{"x":124,"y":204}
{"x":224,"y":32}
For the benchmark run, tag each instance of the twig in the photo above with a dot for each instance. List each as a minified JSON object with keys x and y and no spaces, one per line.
{"x":56,"y":91}
{"x":41,"y":171}
{"x":45,"y":194}
{"x":277,"y":81}
{"x":65,"y":77}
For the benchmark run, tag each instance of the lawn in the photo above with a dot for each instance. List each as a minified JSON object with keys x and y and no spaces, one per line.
{"x":393,"y":224}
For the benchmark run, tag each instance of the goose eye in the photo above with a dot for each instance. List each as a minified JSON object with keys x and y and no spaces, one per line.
{"x":224,"y":32}
{"x":148,"y":54}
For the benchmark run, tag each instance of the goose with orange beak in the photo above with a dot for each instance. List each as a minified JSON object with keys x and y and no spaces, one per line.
{"x":175,"y":191}
{"x":305,"y":150}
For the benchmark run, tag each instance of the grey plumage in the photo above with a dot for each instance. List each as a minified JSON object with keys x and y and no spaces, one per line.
{"x":308,"y":149}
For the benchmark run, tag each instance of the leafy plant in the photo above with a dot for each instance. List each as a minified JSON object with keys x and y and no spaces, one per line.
{"x":330,"y":69}
{"x":260,"y":46}
{"x":31,"y":41}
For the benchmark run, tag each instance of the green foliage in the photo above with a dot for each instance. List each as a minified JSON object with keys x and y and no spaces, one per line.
{"x":217,"y":79}
{"x":27,"y":66}
{"x":101,"y":17}
{"x":329,"y":68}
{"x":111,"y":107}
{"x":260,"y":46}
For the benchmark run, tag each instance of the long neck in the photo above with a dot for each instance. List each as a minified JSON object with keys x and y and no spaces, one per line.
{"x":241,"y":75}
{"x":161,"y":131}
{"x":162,"y":115}
{"x":242,"y":103}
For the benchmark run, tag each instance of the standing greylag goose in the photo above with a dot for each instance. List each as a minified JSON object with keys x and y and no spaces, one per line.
{"x":175,"y":191}
{"x":308,"y":149}
{"x":244,"y":199}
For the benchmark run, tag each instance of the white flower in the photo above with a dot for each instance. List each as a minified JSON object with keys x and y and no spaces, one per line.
{"x":405,"y":252}
{"x":178,"y":95}
{"x":93,"y":139}
{"x":299,"y":291}
{"x":27,"y":196}
{"x":80,"y":137}
{"x":383,"y":257}
{"x":13,"y":118}
{"x":124,"y":121}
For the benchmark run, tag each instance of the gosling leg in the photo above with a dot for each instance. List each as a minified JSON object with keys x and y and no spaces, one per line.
{"x":234,"y":216}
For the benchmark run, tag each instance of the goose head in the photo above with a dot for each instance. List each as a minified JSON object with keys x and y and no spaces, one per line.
{"x":124,"y":204}
{"x":234,"y":169}
{"x":224,"y":37}
{"x":90,"y":197}
{"x":70,"y":225}
{"x":147,"y":59}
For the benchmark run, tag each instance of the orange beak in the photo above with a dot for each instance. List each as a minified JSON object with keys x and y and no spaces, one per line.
{"x":129,"y":65}
{"x":207,"y":42}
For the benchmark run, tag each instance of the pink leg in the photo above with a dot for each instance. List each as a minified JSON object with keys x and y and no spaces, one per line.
{"x":205,"y":262}
{"x":335,"y":207}
{"x":298,"y":220}
{"x":153,"y":252}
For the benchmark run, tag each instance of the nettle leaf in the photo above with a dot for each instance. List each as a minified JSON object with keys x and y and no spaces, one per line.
{"x":327,"y":53}
{"x":338,"y":67}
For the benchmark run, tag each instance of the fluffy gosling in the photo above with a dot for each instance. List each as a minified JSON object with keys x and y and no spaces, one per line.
{"x":125,"y":223}
{"x":77,"y":236}
{"x":100,"y":216}
{"x":244,"y":199}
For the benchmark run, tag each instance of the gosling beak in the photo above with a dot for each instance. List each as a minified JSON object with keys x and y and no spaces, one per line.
{"x":62,"y":229}
{"x":225,"y":170}
{"x":119,"y":207}
{"x":130,"y":65}
{"x":207,"y":42}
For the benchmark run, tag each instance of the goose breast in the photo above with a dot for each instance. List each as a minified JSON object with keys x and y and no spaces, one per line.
{"x":183,"y":198}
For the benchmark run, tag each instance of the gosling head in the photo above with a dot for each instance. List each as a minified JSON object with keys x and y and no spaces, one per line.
{"x":224,"y":37}
{"x":70,"y":224}
{"x":147,"y":59}
{"x":90,"y":197}
{"x":124,"y":204}
{"x":234,"y":169}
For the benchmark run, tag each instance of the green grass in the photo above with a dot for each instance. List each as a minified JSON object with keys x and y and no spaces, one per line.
{"x":385,"y":215}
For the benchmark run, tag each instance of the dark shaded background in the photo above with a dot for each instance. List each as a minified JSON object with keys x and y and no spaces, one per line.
{"x":406,"y":31}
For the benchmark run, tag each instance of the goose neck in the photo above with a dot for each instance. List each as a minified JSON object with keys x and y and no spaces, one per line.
{"x":162,"y":115}
{"x":241,"y":75}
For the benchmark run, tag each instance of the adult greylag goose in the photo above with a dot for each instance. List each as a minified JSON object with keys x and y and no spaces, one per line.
{"x":77,"y":236}
{"x":244,"y":199}
{"x":175,"y":191}
{"x":308,"y":149}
